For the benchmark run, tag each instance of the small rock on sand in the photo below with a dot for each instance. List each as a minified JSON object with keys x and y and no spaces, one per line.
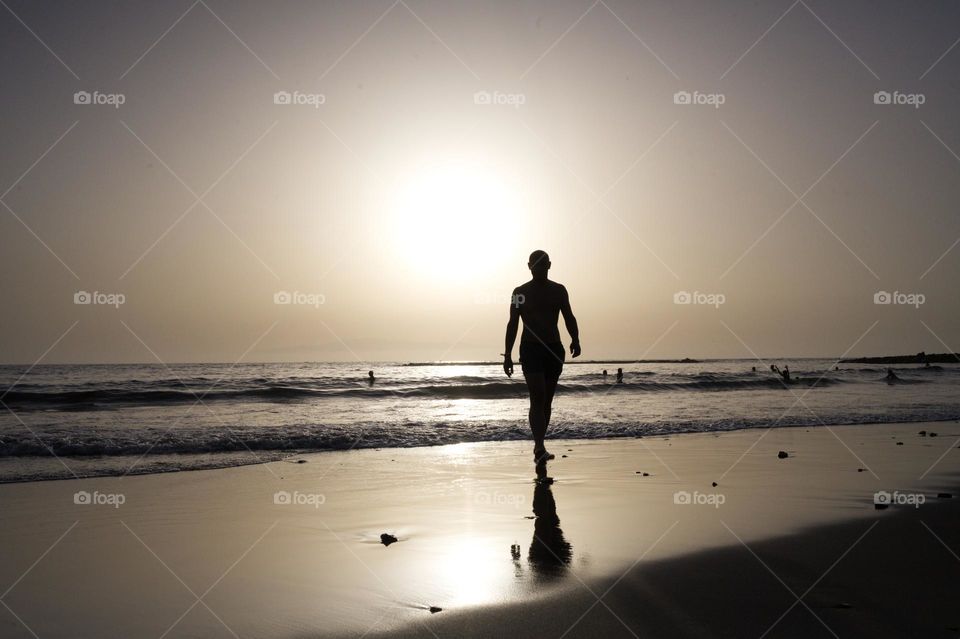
{"x":714,"y":484}
{"x":782,"y":454}
{"x":944,"y":496}
{"x":861,"y":470}
{"x":386,"y":539}
{"x":562,"y":456}
{"x":922,"y":433}
{"x":435,"y":609}
{"x":899,"y":443}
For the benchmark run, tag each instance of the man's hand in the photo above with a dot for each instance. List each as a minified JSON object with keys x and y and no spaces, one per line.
{"x":508,"y":365}
{"x":575,"y":349}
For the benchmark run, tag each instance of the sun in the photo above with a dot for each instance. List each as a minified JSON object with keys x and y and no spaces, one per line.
{"x":455,"y":219}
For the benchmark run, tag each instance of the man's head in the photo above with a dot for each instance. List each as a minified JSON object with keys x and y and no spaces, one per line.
{"x":539,"y":264}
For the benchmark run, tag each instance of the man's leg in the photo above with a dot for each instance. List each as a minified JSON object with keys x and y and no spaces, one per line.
{"x":538,"y":424}
{"x":550,"y":387}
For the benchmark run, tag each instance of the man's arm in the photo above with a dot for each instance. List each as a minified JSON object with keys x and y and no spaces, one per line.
{"x":513,"y":324}
{"x":570,"y":322}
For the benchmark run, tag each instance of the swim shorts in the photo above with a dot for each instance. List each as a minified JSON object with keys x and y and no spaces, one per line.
{"x":542,"y":358}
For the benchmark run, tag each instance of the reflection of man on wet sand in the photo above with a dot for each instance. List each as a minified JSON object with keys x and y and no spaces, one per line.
{"x":539,"y":304}
{"x":549,"y":550}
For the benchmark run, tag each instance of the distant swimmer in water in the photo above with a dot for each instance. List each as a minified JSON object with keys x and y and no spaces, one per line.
{"x":753,"y":368}
{"x":785,"y":373}
{"x":619,"y":375}
{"x":604,"y":373}
{"x":370,"y":378}
{"x":891,"y":376}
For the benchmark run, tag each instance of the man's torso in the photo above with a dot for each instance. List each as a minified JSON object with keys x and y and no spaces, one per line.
{"x":539,"y":304}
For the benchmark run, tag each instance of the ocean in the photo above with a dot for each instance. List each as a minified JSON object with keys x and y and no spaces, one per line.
{"x":66,"y":421}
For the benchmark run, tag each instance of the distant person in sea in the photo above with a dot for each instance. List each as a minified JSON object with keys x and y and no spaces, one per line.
{"x":753,"y":369}
{"x":619,"y":375}
{"x":539,"y":303}
{"x":891,"y":376}
{"x":785,"y":373}
{"x":604,"y":373}
{"x":370,"y":378}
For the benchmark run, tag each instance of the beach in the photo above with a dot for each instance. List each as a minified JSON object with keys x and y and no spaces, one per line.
{"x":293,"y":548}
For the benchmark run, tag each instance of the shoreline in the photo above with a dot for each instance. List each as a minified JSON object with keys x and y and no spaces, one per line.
{"x":283,"y":456}
{"x":294,"y":549}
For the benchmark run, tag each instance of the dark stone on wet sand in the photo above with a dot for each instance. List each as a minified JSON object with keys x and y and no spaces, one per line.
{"x":944,"y":496}
{"x":881,"y":506}
{"x":435,"y":609}
{"x":386,"y":539}
{"x":782,"y":454}
{"x":714,"y":484}
{"x":899,"y":443}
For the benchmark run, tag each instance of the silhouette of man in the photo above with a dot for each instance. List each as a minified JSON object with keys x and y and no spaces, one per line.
{"x":539,"y":303}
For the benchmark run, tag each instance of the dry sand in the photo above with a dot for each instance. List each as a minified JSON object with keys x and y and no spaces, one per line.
{"x":212,"y":553}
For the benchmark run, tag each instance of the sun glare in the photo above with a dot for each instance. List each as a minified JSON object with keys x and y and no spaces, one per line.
{"x":455,"y":220}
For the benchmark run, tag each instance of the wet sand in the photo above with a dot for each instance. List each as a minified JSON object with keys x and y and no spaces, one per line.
{"x":290,"y":549}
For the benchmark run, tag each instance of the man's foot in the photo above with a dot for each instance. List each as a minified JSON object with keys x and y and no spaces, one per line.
{"x":542,"y":454}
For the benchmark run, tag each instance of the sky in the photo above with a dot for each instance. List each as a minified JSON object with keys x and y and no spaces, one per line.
{"x":221,"y":181}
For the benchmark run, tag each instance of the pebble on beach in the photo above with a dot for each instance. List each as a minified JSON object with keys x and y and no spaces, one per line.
{"x":782,"y":454}
{"x":386,"y":539}
{"x":435,"y":609}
